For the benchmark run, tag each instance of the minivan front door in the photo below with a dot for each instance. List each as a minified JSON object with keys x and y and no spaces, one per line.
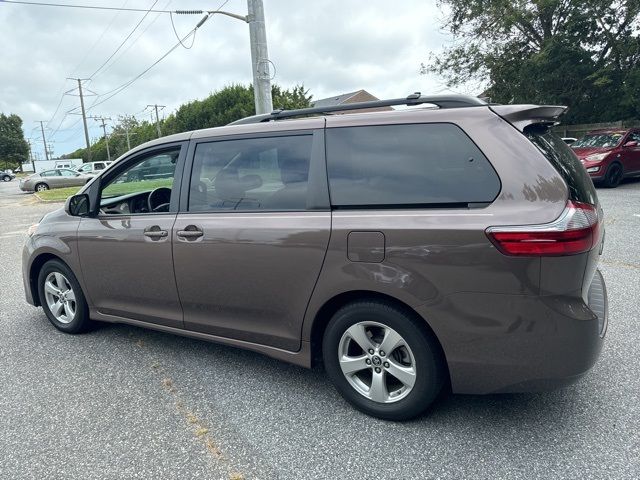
{"x":125,"y":252}
{"x":250,"y":244}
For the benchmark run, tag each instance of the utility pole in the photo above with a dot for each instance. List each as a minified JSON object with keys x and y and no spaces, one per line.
{"x":156,"y":106}
{"x":84,"y":116}
{"x":126,"y":132}
{"x":50,"y":149}
{"x":44,"y":140}
{"x":33,"y":164}
{"x":259,"y":57}
{"x":125,"y":123}
{"x":259,"y":53}
{"x":104,"y":129}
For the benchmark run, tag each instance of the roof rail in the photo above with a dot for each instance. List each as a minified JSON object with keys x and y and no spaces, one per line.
{"x":442,"y":101}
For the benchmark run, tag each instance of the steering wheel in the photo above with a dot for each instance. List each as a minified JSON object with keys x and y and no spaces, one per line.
{"x":159,"y":199}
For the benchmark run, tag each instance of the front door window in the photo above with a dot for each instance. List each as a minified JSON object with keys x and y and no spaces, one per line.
{"x":143,"y":187}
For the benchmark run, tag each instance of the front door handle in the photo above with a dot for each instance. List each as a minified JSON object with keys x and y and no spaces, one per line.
{"x":155,"y":232}
{"x":190,"y":232}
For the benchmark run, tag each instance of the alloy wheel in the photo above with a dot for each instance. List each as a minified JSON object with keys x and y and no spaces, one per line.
{"x":615,"y":176}
{"x":377,"y":362}
{"x":60,"y":297}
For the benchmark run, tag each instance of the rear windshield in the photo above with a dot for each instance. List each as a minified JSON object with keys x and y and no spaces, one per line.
{"x":598,"y":140}
{"x":563,"y":159}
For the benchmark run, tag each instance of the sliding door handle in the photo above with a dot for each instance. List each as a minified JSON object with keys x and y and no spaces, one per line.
{"x":190,"y":232}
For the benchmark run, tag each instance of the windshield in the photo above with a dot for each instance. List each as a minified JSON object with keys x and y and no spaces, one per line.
{"x":598,"y":140}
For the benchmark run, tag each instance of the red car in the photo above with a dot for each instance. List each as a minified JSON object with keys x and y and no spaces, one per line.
{"x":610,"y":155}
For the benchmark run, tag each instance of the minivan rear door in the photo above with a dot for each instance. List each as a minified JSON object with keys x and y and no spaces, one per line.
{"x":252,"y":232}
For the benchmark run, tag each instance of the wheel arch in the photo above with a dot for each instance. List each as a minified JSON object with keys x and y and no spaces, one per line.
{"x":34,"y":271}
{"x":331,"y":306}
{"x":616,"y":162}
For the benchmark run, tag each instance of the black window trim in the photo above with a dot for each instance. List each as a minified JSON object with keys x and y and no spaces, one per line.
{"x":415,"y":206}
{"x":95,"y":189}
{"x":317,"y":190}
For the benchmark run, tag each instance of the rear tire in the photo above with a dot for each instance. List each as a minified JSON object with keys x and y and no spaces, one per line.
{"x":6,"y":178}
{"x":613,"y":176}
{"x":62,"y":298}
{"x":398,"y":384}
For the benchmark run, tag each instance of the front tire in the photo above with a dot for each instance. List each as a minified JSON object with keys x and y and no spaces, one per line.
{"x":6,"y":178}
{"x":62,"y":298}
{"x":613,"y":176}
{"x":382,"y":360}
{"x":41,"y":187}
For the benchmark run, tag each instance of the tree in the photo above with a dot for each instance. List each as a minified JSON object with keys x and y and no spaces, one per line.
{"x":220,"y":108}
{"x":581,"y":53}
{"x":14,"y":149}
{"x":230,"y":104}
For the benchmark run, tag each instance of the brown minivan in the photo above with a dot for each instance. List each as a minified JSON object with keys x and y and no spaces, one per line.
{"x":406,"y":250}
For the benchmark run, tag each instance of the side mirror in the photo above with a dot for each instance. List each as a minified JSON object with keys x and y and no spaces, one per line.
{"x":630,"y":144}
{"x":78,"y":205}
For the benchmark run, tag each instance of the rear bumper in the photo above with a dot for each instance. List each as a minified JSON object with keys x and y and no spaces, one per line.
{"x":518,"y":343}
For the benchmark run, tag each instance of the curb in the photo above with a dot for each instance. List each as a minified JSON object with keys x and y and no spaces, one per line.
{"x":42,"y":200}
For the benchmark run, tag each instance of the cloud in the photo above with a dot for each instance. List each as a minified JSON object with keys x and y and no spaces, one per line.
{"x":331,"y":46}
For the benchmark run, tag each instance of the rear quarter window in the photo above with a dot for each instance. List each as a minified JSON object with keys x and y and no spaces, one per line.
{"x":433,"y":164}
{"x":560,"y":155}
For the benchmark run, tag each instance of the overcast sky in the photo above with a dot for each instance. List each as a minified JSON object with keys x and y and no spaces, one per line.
{"x":331,"y":46}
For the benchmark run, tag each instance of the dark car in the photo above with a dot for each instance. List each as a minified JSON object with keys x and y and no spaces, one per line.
{"x":404,"y":250}
{"x":610,"y":155}
{"x":7,"y":176}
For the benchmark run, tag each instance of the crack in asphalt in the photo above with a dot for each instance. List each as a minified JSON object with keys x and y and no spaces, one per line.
{"x":198,"y":426}
{"x":620,"y":264}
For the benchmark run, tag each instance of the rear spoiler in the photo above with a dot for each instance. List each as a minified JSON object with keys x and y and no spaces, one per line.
{"x":521,"y":116}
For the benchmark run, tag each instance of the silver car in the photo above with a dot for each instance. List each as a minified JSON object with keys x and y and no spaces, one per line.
{"x":57,"y":178}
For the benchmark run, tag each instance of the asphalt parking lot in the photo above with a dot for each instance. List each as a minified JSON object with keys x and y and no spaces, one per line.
{"x":122,"y":402}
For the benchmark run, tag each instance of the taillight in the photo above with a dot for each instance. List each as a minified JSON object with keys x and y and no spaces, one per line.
{"x":575,"y":231}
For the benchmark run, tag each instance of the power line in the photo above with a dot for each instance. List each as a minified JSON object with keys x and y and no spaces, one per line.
{"x":97,"y":7}
{"x":86,"y":55}
{"x":117,"y":90}
{"x":124,"y":41}
{"x":71,"y":112}
{"x":178,"y":36}
{"x":62,"y":93}
{"x":135,"y":40}
{"x":57,"y":107}
{"x":120,"y":88}
{"x":73,"y":134}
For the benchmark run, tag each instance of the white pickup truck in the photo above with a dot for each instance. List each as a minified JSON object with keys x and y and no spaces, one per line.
{"x":93,"y":168}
